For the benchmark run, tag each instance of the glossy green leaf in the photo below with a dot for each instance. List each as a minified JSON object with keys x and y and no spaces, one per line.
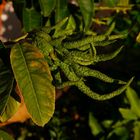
{"x":10,"y":110}
{"x":34,"y":79}
{"x":31,"y":19}
{"x":134,"y":100}
{"x":87,"y":10}
{"x":6,"y":85}
{"x":47,"y":6}
{"x":94,"y":125}
{"x":5,"y":136}
{"x":61,"y":10}
{"x":128,"y":114}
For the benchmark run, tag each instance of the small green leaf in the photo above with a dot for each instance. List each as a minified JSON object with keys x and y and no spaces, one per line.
{"x":128,"y":114}
{"x":87,"y":10}
{"x":11,"y":109}
{"x":47,"y":6}
{"x":71,"y":23}
{"x":34,"y":79}
{"x":31,"y":19}
{"x":107,"y":123}
{"x":134,"y":100}
{"x":6,"y":85}
{"x":5,"y":136}
{"x":94,"y":125}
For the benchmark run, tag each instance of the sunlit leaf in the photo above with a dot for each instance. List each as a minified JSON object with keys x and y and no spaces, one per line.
{"x":31,"y":19}
{"x":6,"y":85}
{"x":134,"y":100}
{"x":5,"y":136}
{"x":34,"y":79}
{"x":47,"y":6}
{"x":87,"y":9}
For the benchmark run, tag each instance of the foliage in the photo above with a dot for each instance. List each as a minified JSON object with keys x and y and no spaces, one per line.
{"x":60,"y":49}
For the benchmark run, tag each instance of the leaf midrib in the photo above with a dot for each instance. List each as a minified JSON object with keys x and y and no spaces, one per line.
{"x":30,"y":80}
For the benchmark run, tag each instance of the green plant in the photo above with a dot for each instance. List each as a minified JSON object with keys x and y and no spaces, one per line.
{"x":45,"y":54}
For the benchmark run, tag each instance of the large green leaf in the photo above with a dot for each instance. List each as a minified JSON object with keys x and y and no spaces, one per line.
{"x":87,"y":9}
{"x":6,"y":85}
{"x":47,"y":6}
{"x":5,"y":136}
{"x":34,"y":79}
{"x":61,"y":10}
{"x":31,"y":19}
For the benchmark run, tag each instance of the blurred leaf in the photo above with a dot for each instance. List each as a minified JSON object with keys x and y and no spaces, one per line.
{"x":120,"y":133}
{"x":6,"y":85}
{"x":94,"y":125}
{"x":61,"y":10}
{"x":47,"y":6}
{"x":123,"y":3}
{"x":11,"y":109}
{"x":138,"y":38}
{"x":87,"y":10}
{"x":31,"y":19}
{"x":107,"y":123}
{"x":110,"y":3}
{"x":34,"y":80}
{"x":5,"y":136}
{"x":128,"y":114}
{"x":134,"y":100}
{"x":136,"y":130}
